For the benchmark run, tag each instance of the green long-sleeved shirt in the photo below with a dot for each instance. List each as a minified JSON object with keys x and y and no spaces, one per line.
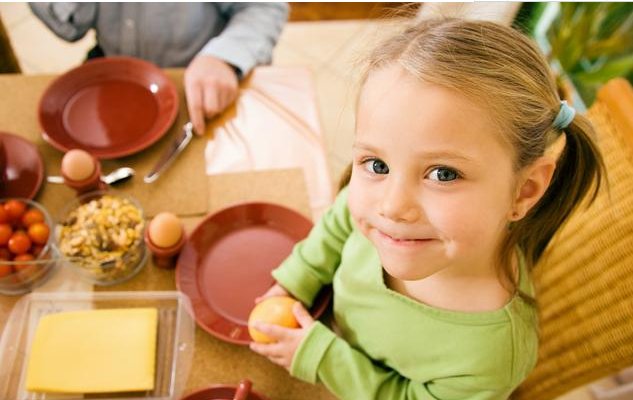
{"x":391,"y":346}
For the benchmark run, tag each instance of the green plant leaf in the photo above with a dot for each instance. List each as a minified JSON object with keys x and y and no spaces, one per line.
{"x":593,"y":42}
{"x":621,"y":66}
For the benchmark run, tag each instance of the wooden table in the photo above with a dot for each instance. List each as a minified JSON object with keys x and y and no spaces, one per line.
{"x":214,"y":361}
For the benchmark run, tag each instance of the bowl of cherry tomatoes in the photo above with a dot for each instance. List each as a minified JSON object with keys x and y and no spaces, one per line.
{"x":27,"y":253}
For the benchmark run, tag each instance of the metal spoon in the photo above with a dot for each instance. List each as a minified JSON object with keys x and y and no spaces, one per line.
{"x":117,"y":176}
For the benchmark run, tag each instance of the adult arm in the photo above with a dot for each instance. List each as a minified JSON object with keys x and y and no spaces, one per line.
{"x":250,"y":35}
{"x":211,"y":79}
{"x":69,"y":21}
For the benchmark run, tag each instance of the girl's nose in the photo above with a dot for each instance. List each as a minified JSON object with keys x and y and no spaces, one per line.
{"x":399,"y":205}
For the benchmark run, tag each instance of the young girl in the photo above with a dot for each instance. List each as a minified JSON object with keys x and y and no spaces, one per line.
{"x":451,"y":202}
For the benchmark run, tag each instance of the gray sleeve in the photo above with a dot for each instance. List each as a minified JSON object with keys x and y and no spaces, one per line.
{"x":250,"y":35}
{"x":69,"y":21}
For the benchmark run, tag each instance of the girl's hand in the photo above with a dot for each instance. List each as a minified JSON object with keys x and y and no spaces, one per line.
{"x":275,"y":290}
{"x":287,"y":339}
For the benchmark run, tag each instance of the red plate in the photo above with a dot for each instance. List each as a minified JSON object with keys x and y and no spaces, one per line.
{"x":226,"y":263}
{"x":220,"y":392}
{"x":111,"y":107}
{"x":24,"y":169}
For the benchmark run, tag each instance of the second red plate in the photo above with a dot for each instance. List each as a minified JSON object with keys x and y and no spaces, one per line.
{"x":111,"y":107}
{"x":227,"y":260}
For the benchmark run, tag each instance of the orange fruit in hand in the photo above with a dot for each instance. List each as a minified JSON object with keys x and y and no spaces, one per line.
{"x":275,"y":310}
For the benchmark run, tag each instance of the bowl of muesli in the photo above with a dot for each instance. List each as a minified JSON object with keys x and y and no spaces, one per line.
{"x":100,"y":236}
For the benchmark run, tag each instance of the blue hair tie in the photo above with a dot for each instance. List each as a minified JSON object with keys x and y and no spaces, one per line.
{"x":565,"y":116}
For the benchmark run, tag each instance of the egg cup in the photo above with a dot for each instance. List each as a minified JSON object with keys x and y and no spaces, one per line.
{"x":90,"y":184}
{"x":165,"y":257}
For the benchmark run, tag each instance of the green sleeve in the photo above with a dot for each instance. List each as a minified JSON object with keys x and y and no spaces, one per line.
{"x":314,"y":260}
{"x":350,"y":374}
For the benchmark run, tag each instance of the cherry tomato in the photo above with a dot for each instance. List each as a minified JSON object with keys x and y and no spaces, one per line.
{"x":19,"y":243}
{"x":5,"y":234}
{"x":15,"y":209}
{"x":32,"y":216}
{"x":25,"y":266}
{"x":5,"y":254}
{"x":5,"y":270}
{"x":38,"y":233}
{"x":4,"y":217}
{"x":36,"y":249}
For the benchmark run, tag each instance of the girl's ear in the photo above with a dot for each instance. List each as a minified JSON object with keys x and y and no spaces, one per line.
{"x":533,"y":182}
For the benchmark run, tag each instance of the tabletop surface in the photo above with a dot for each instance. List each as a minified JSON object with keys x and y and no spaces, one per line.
{"x":214,"y":361}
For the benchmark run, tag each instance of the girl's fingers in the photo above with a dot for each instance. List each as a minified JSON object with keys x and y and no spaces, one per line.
{"x":274,"y":331}
{"x":275,"y":290}
{"x":262,"y":348}
{"x":302,"y":315}
{"x":271,"y":351}
{"x":282,"y":361}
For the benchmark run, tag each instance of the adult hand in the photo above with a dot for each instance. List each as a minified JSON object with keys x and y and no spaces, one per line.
{"x":211,"y":85}
{"x":287,"y":340}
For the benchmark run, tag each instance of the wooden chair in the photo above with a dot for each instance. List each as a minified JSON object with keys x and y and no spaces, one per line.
{"x":8,"y":61}
{"x":585,"y":281}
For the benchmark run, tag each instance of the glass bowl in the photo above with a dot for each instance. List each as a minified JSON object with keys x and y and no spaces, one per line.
{"x":18,"y":276}
{"x":100,"y":236}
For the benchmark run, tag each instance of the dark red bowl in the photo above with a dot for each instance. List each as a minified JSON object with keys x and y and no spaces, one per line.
{"x":220,"y":392}
{"x":23,"y":170}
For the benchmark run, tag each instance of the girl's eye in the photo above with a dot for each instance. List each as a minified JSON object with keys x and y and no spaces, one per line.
{"x":376,"y":166}
{"x":443,"y":174}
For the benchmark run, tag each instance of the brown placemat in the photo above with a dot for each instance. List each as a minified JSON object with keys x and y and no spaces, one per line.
{"x":283,"y":187}
{"x":182,"y":189}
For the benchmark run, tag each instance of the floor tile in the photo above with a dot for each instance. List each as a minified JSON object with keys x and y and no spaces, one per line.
{"x":14,"y":13}
{"x":319,"y":40}
{"x":336,"y":100}
{"x":287,"y":56}
{"x":40,"y":51}
{"x":349,"y":58}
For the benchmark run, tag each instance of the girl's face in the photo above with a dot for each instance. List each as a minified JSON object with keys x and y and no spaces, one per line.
{"x":432,"y":183}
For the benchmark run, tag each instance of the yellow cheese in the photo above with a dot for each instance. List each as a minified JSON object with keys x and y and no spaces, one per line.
{"x":94,"y":351}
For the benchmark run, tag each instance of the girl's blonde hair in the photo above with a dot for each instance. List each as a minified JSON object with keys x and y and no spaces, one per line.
{"x":502,"y":70}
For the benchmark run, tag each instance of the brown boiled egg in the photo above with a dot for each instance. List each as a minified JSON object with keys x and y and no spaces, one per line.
{"x":165,"y":230}
{"x":78,"y":165}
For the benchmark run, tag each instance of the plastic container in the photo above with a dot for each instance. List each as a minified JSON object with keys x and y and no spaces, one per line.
{"x":26,"y":275}
{"x":92,"y":258}
{"x":175,"y":342}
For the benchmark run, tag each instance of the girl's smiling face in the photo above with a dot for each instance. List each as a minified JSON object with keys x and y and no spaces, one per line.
{"x":432,"y":183}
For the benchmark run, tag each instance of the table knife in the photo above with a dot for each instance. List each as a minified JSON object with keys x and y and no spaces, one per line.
{"x":175,"y":148}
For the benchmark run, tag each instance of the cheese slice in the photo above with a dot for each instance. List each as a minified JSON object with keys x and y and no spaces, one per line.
{"x":94,"y":351}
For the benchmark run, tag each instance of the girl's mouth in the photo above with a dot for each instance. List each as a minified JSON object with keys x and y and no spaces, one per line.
{"x":402,"y":241}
